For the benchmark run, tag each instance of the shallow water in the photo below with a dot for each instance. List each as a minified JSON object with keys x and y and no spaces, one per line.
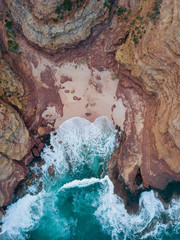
{"x":78,"y":201}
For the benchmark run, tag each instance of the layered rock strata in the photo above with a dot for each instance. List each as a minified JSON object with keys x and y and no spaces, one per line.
{"x":153,"y":116}
{"x":14,"y":145}
{"x":14,"y":136}
{"x":52,"y":24}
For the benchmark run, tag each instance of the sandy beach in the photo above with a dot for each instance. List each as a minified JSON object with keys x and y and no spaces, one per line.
{"x":86,"y":93}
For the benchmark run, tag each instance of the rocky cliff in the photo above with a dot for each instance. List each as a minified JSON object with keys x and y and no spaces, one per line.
{"x":57,"y":23}
{"x":137,"y":41}
{"x":151,"y":56}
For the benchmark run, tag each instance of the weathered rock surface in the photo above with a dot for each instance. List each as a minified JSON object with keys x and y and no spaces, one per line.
{"x":51,"y":170}
{"x":41,"y":25}
{"x":152,"y":94}
{"x":14,"y":136}
{"x":12,"y":89}
{"x":11,"y":173}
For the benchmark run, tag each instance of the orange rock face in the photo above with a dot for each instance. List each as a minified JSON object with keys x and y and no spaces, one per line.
{"x":153,"y":95}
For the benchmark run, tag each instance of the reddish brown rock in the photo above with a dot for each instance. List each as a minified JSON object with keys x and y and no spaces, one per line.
{"x":47,"y":76}
{"x":38,"y":141}
{"x":1,"y":214}
{"x":150,"y":87}
{"x":51,"y":170}
{"x":35,"y":152}
{"x":11,"y":173}
{"x":40,"y":147}
{"x":76,"y":98}
{"x":65,"y":79}
{"x":40,"y":163}
{"x":27,"y":159}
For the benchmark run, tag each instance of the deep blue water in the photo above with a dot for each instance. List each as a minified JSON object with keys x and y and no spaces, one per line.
{"x":78,"y":201}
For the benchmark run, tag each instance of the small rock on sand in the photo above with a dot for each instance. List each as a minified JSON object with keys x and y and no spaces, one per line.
{"x":87,"y":114}
{"x":92,"y":104}
{"x":72,"y":91}
{"x":76,"y":98}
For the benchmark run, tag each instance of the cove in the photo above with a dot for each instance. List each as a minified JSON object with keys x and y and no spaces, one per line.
{"x":78,"y":202}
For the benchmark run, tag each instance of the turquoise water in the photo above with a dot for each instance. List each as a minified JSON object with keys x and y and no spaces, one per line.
{"x":78,"y":201}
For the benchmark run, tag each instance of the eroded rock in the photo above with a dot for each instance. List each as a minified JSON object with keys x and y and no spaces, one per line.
{"x":42,"y":25}
{"x":11,"y":173}
{"x":14,"y":136}
{"x":51,"y":170}
{"x":153,"y":137}
{"x":11,"y":87}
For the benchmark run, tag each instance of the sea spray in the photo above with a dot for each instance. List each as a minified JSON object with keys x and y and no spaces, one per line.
{"x":78,"y":202}
{"x":80,"y":149}
{"x":21,"y":217}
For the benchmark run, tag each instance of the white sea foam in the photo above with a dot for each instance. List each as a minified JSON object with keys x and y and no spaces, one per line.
{"x":83,"y":183}
{"x":21,"y":217}
{"x":149,"y":222}
{"x":24,"y":215}
{"x":77,"y":143}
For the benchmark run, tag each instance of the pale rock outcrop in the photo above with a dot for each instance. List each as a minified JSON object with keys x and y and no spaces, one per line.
{"x":11,"y":87}
{"x":14,"y":136}
{"x":36,"y":20}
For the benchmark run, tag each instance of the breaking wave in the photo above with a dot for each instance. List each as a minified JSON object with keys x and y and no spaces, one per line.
{"x":78,"y":202}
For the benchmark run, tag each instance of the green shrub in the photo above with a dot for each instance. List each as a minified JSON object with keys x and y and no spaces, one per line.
{"x":13,"y":46}
{"x":114,"y":76}
{"x":121,"y":11}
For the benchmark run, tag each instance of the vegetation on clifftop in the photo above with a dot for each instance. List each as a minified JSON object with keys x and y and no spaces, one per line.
{"x":66,"y":8}
{"x":11,"y":35}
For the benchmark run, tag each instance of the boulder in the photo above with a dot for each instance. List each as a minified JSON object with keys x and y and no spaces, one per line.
{"x":14,"y":136}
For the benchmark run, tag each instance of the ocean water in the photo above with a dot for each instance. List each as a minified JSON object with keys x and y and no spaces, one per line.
{"x":78,"y":202}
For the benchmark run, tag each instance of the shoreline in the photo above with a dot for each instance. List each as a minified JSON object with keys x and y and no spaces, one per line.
{"x":86,"y":93}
